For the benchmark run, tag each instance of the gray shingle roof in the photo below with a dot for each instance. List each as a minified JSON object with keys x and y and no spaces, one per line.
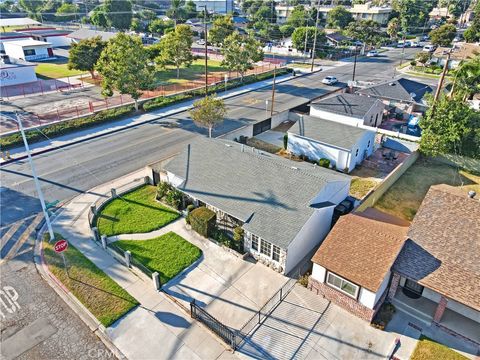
{"x":260,"y":189}
{"x":401,"y":89}
{"x":81,"y":34}
{"x":346,"y":104}
{"x":328,"y":132}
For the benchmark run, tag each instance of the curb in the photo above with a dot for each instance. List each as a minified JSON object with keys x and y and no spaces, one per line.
{"x":109,"y":132}
{"x":75,"y":305}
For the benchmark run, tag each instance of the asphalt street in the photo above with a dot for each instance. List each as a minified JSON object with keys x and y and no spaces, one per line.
{"x":65,"y":173}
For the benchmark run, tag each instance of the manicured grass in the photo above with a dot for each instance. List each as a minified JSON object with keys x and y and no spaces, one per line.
{"x":360,"y":187}
{"x":167,"y":254}
{"x":404,"y":197}
{"x":134,"y":212}
{"x":55,"y":70}
{"x":428,"y":349}
{"x":105,"y":299}
{"x":194,"y":72}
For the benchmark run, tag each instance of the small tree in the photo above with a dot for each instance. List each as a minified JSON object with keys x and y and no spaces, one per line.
{"x":422,"y":57}
{"x":241,"y":52}
{"x":285,"y":141}
{"x":208,"y":112}
{"x":222,"y":28}
{"x":444,"y":35}
{"x":392,"y":28}
{"x":339,"y":17}
{"x":124,"y":66}
{"x":84,"y":55}
{"x":158,"y":26}
{"x":175,"y":48}
{"x":298,"y":38}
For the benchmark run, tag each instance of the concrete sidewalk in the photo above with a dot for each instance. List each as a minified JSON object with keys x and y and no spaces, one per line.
{"x":157,"y":329}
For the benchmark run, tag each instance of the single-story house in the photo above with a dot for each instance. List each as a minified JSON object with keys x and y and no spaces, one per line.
{"x":16,"y":21}
{"x":461,"y":52}
{"x":404,"y":94}
{"x":57,"y":38}
{"x":436,"y":277}
{"x":349,"y":109}
{"x":336,"y":38}
{"x":12,"y":36}
{"x":352,"y":267}
{"x":28,"y":50}
{"x":285,"y":208}
{"x":16,"y":72}
{"x":344,"y":145}
{"x":82,"y":34}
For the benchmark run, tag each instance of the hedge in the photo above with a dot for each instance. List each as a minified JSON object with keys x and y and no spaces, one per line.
{"x":203,"y":221}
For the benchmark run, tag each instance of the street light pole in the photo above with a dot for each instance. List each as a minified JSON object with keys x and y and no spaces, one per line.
{"x":206,"y":47}
{"x":35,"y":178}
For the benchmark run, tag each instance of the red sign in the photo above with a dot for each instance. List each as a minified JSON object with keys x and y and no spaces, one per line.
{"x":60,"y":246}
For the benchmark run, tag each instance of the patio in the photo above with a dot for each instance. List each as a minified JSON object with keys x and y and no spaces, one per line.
{"x":384,"y":160}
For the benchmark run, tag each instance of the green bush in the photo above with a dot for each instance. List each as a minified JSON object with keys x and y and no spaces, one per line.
{"x":285,"y":141}
{"x":203,"y":221}
{"x":162,"y":189}
{"x":238,"y":233}
{"x":324,"y":162}
{"x":165,"y":101}
{"x":190,"y":208}
{"x":174,"y":198}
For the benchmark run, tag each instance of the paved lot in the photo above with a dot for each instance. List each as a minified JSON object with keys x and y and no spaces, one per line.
{"x":306,"y":326}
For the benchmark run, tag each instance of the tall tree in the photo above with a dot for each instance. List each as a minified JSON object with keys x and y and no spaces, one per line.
{"x":208,"y":112}
{"x":222,"y":27}
{"x":298,"y":17}
{"x":158,"y":26}
{"x":84,"y":55}
{"x":124,"y":66}
{"x":241,"y":52}
{"x":467,"y":78}
{"x":339,"y":17}
{"x":367,"y":31}
{"x":444,"y":35}
{"x":175,"y":48}
{"x":472,"y":34}
{"x":298,"y":38}
{"x":190,"y":10}
{"x":393,"y":27}
{"x":177,"y":11}
{"x":413,"y":13}
{"x":99,"y":17}
{"x":67,"y":12}
{"x":118,"y":13}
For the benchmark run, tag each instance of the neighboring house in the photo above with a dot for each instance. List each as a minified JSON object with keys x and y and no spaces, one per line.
{"x":28,"y":50}
{"x":82,"y":34}
{"x":437,"y":274}
{"x":438,"y":13}
{"x":57,"y":38}
{"x":344,"y":145}
{"x":352,"y":266}
{"x":240,"y":22}
{"x":215,"y":6}
{"x":284,"y":207}
{"x":336,"y":39}
{"x":16,"y":72}
{"x":12,"y":36}
{"x":404,"y":94}
{"x":349,"y":109}
{"x":283,"y":11}
{"x":461,"y":52}
{"x":379,"y":14}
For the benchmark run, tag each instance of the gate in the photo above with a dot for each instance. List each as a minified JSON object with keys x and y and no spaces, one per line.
{"x":262,"y":126}
{"x":213,"y":324}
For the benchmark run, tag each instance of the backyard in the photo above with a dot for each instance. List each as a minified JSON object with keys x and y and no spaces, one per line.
{"x":428,"y":349}
{"x":168,"y":254}
{"x":405,"y":196}
{"x":134,"y":212}
{"x":105,"y":299}
{"x":55,"y":70}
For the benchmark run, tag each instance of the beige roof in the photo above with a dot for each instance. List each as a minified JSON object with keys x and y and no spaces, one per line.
{"x":362,"y":247}
{"x":461,"y":51}
{"x":443,"y":251}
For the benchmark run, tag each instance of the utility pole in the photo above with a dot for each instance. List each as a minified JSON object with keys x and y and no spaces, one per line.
{"x":440,"y":82}
{"x":35,"y":178}
{"x":206,"y":47}
{"x":273,"y":91}
{"x":315,"y":37}
{"x":404,"y":37}
{"x":355,"y":63}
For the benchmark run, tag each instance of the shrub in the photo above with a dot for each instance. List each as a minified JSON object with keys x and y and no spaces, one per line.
{"x":285,"y":141}
{"x":165,"y":101}
{"x":383,"y":316}
{"x":324,"y":162}
{"x":174,"y":198}
{"x":413,"y":63}
{"x":221,"y":237}
{"x":238,"y":234}
{"x":303,"y":280}
{"x":203,"y":221}
{"x":190,"y":208}
{"x":162,"y":189}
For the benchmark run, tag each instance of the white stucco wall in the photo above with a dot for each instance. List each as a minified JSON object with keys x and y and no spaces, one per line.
{"x":334,"y":192}
{"x":174,"y":179}
{"x":319,"y":273}
{"x":364,"y":146}
{"x":369,"y":298}
{"x":17,"y":75}
{"x":311,"y":235}
{"x":13,"y":40}
{"x":17,"y":52}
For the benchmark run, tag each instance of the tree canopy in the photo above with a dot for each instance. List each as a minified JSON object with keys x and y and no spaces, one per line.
{"x":118,"y":13}
{"x":221,"y":28}
{"x":392,"y":28}
{"x":467,"y":78}
{"x":367,"y":31}
{"x":298,"y":38}
{"x":413,"y":13}
{"x":472,"y":34}
{"x":444,"y":35}
{"x":241,"y":52}
{"x":339,"y":17}
{"x":158,"y":26}
{"x":208,"y":112}
{"x":85,"y":54}
{"x":67,"y":12}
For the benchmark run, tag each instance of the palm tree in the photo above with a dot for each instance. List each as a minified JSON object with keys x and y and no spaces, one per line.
{"x":467,"y":79}
{"x":176,"y":10}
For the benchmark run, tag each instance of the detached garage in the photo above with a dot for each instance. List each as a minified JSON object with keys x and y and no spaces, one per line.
{"x":344,"y":145}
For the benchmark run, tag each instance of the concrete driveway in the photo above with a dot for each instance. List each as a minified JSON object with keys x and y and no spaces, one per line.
{"x":229,"y":288}
{"x":307,"y":326}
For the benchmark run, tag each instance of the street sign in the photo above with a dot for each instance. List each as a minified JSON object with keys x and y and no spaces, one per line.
{"x":60,"y":246}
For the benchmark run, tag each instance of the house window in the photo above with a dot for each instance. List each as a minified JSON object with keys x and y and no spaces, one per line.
{"x":255,"y":242}
{"x":266,"y":248}
{"x":371,"y":119}
{"x":356,"y":153}
{"x":276,"y":253}
{"x":376,"y":119}
{"x":342,"y":285}
{"x":29,"y":52}
{"x":368,"y":143}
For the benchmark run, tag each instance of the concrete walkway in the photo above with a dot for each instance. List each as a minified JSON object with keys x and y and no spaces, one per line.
{"x":157,"y":329}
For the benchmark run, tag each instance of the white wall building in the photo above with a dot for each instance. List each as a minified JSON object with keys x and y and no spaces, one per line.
{"x":16,"y":72}
{"x":28,"y":50}
{"x":215,"y":6}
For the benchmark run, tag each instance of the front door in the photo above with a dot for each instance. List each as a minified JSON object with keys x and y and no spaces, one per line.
{"x":50,"y":52}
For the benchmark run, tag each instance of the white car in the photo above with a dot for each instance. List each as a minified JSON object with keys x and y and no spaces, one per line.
{"x":201,"y":42}
{"x":414,"y":44}
{"x":429,"y":48}
{"x":329,"y":80}
{"x":372,"y":53}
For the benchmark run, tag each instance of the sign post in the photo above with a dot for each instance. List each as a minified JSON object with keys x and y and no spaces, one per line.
{"x":59,"y":247}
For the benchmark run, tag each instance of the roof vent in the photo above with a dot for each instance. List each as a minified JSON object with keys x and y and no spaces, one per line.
{"x":294,"y":168}
{"x":471,"y":194}
{"x":413,"y":95}
{"x":391,"y":84}
{"x":228,"y":145}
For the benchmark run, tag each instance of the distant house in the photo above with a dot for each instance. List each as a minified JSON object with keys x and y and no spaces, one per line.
{"x":240,"y":22}
{"x":215,"y":6}
{"x":16,"y":72}
{"x":349,"y":109}
{"x":82,"y":34}
{"x":57,"y":38}
{"x":352,"y":267}
{"x":28,"y":50}
{"x":367,"y":11}
{"x":4,"y":22}
{"x":407,"y":95}
{"x":336,"y":38}
{"x":344,"y":145}
{"x":461,"y":52}
{"x":284,"y":207}
{"x":12,"y":36}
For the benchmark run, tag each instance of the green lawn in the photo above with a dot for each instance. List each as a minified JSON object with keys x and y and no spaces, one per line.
{"x":194,"y":72}
{"x":167,"y":254}
{"x":360,"y":187}
{"x":134,"y":212}
{"x":105,"y":299}
{"x":55,"y":70}
{"x":428,"y":349}
{"x":405,"y":196}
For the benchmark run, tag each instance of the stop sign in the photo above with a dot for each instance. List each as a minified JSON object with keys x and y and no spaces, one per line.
{"x":60,"y":246}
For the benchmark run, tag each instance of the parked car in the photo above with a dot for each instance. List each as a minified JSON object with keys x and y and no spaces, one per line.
{"x":200,"y":42}
{"x":414,"y":44}
{"x":372,"y":53}
{"x":329,"y":80}
{"x":429,"y":48}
